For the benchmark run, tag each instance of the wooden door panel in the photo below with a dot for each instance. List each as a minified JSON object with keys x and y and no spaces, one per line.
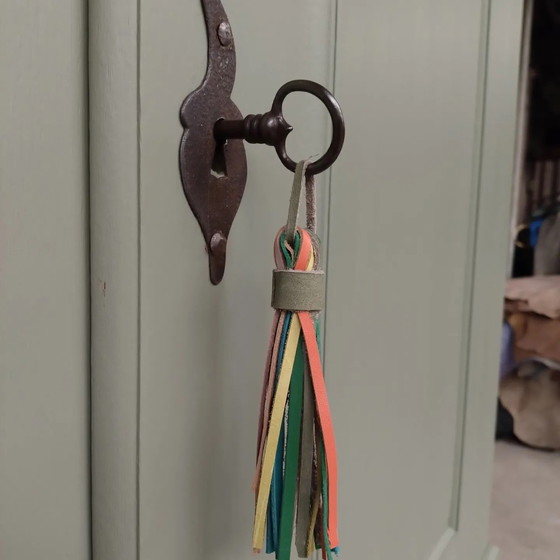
{"x":412,"y":236}
{"x":406,"y":269}
{"x":44,"y":282}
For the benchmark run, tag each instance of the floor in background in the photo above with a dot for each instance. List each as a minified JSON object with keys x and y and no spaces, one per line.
{"x":525,"y":522}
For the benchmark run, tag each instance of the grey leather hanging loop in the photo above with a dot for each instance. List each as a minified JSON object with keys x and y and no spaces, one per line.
{"x":295,"y":197}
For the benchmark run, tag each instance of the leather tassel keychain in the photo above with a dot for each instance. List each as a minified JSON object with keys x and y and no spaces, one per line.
{"x":296,"y":476}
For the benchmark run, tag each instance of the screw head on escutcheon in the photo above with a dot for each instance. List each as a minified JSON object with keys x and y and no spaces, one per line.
{"x":224,"y":34}
{"x":217,"y":257}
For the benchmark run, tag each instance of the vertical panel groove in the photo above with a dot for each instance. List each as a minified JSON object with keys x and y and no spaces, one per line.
{"x":85,"y":31}
{"x":139,"y":262}
{"x":489,"y":271}
{"x":470,"y":266}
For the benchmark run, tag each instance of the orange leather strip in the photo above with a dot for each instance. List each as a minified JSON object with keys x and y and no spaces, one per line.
{"x":325,"y":420}
{"x":321,"y":399}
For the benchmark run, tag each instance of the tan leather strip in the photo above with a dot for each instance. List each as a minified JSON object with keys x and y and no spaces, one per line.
{"x":314,"y":514}
{"x":305,"y":481}
{"x":298,"y":290}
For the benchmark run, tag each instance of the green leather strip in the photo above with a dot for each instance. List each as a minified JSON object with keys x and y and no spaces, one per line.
{"x":292,"y":456}
{"x":288,"y":257}
{"x":298,"y":290}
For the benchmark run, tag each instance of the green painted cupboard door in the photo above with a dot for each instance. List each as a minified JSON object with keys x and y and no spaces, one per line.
{"x":414,"y":220}
{"x":418,"y":239}
{"x":44,"y":282}
{"x":414,"y":226}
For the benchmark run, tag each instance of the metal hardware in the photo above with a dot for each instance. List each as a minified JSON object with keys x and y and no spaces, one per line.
{"x":272,"y":129}
{"x":212,"y":157}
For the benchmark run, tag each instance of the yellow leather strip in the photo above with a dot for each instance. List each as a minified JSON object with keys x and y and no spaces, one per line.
{"x":268,"y":400}
{"x":276,"y":420}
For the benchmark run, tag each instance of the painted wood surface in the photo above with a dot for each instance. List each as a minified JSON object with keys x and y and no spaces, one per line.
{"x":44,"y":282}
{"x":177,"y":362}
{"x":421,"y":229}
{"x":416,"y":232}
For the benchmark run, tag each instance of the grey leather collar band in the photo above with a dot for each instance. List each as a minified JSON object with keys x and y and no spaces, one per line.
{"x":298,"y":290}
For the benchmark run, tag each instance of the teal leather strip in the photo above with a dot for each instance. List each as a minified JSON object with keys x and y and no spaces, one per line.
{"x":325,"y":495}
{"x":292,"y":456}
{"x":275,"y":501}
{"x":287,"y":256}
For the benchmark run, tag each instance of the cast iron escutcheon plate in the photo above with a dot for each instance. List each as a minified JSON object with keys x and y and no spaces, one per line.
{"x":214,"y":196}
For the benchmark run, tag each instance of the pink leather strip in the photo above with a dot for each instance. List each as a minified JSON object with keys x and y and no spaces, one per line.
{"x":266,"y":377}
{"x":263,"y":423}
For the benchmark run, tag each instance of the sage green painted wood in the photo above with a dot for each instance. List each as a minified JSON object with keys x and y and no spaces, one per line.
{"x":489,"y":271}
{"x":174,"y":425}
{"x":412,"y":336}
{"x":114,"y":204}
{"x":44,"y":347}
{"x":426,"y":200}
{"x":401,"y":224}
{"x":492,"y":553}
{"x":202,"y":347}
{"x":523,"y":108}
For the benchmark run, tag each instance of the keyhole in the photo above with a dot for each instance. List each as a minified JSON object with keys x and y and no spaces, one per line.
{"x":219,"y":161}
